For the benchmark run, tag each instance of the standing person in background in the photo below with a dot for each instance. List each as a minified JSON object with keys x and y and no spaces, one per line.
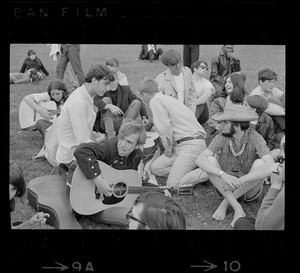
{"x":70,"y":52}
{"x":177,"y":80}
{"x":190,"y":54}
{"x":69,"y":77}
{"x":113,"y":65}
{"x":204,"y":90}
{"x":221,"y":66}
{"x":150,"y":52}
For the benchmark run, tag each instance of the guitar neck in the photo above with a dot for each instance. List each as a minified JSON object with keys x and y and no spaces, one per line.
{"x":142,"y":189}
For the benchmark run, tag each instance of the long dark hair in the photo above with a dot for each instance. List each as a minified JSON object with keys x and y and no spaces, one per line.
{"x":58,"y":85}
{"x":16,"y":179}
{"x":238,"y":93}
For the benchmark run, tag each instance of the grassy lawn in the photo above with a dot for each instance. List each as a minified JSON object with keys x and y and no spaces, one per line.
{"x":23,"y":144}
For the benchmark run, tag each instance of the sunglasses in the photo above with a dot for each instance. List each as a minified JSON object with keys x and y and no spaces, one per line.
{"x":130,"y":216}
{"x":281,"y":159}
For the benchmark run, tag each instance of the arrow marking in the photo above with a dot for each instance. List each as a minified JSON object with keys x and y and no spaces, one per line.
{"x":209,"y":265}
{"x":61,"y":267}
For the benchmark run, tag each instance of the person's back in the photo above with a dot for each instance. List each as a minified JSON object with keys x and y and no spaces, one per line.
{"x":178,"y":115}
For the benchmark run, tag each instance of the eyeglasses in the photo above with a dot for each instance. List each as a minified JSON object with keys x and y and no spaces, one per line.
{"x":130,"y":216}
{"x":203,"y":67}
{"x":281,"y":159}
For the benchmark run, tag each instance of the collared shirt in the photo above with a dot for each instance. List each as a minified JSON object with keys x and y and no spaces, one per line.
{"x":180,"y":86}
{"x":201,"y":85}
{"x":167,"y":85}
{"x":87,"y":154}
{"x":75,"y":124}
{"x":173,"y":119}
{"x":255,"y":147}
{"x":277,"y":93}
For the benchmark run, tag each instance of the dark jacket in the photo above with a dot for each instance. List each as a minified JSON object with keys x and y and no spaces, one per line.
{"x":36,"y":63}
{"x":221,"y":66}
{"x":265,"y":127}
{"x":125,"y":98}
{"x":87,"y":154}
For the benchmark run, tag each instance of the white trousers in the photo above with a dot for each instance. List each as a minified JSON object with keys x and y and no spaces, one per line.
{"x":181,"y":168}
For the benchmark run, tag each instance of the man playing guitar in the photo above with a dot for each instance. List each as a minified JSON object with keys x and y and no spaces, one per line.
{"x":121,"y":153}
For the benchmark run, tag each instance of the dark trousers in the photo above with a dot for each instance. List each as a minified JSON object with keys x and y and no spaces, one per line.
{"x":70,"y":53}
{"x":244,"y":223}
{"x":202,"y":113}
{"x":111,"y":124}
{"x":42,"y":125}
{"x":190,"y":54}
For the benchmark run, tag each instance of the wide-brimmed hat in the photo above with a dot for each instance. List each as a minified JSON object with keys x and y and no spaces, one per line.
{"x":237,"y":112}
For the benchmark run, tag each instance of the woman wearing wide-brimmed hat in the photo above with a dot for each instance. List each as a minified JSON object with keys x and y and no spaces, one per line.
{"x":236,"y":161}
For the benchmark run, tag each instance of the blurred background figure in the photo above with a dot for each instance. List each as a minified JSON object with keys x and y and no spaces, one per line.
{"x":190,"y":54}
{"x":150,"y":52}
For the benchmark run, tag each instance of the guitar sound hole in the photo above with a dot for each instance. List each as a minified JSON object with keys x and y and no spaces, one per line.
{"x":120,"y":189}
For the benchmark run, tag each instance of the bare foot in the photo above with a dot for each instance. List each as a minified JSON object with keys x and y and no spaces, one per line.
{"x":237,"y":214}
{"x":220,"y":213}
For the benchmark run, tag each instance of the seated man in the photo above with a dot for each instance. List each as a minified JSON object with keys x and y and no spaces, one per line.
{"x":154,"y":210}
{"x":177,"y":80}
{"x":113,"y":65}
{"x":237,"y":160}
{"x":276,"y":98}
{"x":270,"y":215}
{"x":150,"y":52}
{"x":118,"y":103}
{"x":181,"y":134}
{"x":221,"y":66}
{"x":120,"y":153}
{"x":77,"y":117}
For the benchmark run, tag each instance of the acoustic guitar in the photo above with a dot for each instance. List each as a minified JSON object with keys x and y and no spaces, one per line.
{"x":28,"y":116}
{"x":50,"y":194}
{"x":85,"y":198}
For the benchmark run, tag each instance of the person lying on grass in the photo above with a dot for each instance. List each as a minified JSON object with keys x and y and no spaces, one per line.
{"x":237,"y":160}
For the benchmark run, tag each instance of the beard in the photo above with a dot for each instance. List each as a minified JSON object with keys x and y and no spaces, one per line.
{"x":231,"y":132}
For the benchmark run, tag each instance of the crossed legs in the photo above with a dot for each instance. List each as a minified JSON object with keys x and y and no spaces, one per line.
{"x":111,"y":124}
{"x":249,"y":190}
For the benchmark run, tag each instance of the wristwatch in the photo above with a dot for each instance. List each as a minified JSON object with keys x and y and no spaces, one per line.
{"x":221,"y":173}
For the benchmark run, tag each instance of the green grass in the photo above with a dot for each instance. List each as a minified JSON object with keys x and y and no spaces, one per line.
{"x":24,"y":144}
